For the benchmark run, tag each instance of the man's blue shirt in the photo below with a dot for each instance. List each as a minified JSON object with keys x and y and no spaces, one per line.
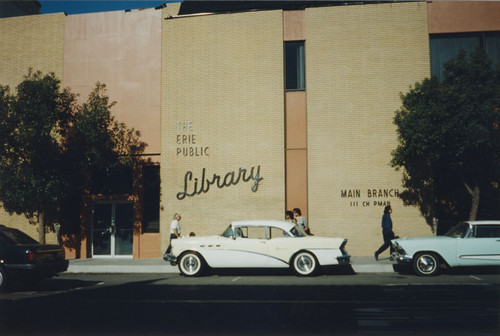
{"x":386,"y":222}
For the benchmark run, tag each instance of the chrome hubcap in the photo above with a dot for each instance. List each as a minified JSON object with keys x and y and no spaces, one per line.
{"x":426,"y":264}
{"x":304,"y":264}
{"x":190,"y":264}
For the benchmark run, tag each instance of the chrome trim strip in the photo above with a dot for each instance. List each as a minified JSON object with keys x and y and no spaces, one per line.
{"x":257,"y":253}
{"x":481,"y":256}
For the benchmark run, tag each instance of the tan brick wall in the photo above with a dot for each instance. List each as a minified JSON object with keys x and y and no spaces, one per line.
{"x":224,"y":74}
{"x":358,"y":60}
{"x":35,"y":41}
{"x":22,"y":223}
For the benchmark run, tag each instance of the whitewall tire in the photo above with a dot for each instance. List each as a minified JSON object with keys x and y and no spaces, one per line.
{"x":426,"y":264}
{"x":191,"y":264}
{"x":304,"y":264}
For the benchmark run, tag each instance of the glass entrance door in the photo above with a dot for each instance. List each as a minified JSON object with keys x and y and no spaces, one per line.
{"x":113,"y":229}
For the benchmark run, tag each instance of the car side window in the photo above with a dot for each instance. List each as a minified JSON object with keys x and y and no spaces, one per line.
{"x":5,"y":241}
{"x":488,"y":231}
{"x":256,"y":232}
{"x":238,"y":233}
{"x":241,"y":232}
{"x":277,"y":233}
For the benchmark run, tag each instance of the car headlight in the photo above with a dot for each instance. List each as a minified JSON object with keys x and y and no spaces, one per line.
{"x":399,"y":249}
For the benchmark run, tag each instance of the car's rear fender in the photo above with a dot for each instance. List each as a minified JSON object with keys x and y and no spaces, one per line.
{"x":324,"y":257}
{"x":290,"y":262}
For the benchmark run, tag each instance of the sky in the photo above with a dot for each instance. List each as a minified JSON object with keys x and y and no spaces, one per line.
{"x":82,"y":6}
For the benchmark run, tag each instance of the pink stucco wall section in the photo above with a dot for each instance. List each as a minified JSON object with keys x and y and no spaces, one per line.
{"x":463,"y":16}
{"x":122,"y":50}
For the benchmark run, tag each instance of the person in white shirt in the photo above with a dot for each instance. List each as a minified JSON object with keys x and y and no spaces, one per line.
{"x":175,"y":230}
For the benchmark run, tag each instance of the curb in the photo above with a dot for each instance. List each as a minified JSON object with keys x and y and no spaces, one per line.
{"x":121,"y":269}
{"x":358,"y":265}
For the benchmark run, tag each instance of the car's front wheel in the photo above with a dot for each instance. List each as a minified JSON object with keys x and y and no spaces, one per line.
{"x":304,"y":264}
{"x":191,"y":264}
{"x":426,"y":264}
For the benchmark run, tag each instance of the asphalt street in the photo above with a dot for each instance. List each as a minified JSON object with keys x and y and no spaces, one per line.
{"x":255,"y":303}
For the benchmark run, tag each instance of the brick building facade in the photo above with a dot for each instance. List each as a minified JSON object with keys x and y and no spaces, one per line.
{"x":233,"y":137}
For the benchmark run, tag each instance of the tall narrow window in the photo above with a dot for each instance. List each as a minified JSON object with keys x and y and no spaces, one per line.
{"x":295,"y":65}
{"x":151,"y":200}
{"x":492,"y":46}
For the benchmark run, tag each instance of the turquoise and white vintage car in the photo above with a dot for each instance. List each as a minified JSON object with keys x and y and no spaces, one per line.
{"x":258,"y":244}
{"x":472,"y":243}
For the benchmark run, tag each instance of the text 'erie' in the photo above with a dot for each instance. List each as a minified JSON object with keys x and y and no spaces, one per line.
{"x":187,"y":142}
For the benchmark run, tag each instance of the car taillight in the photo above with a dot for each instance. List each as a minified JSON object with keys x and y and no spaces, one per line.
{"x":31,"y":255}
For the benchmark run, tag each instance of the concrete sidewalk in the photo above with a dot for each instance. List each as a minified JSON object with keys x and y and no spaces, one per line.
{"x":123,"y":265}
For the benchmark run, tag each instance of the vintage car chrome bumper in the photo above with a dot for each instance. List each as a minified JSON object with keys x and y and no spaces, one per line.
{"x":401,"y":259}
{"x":171,"y":258}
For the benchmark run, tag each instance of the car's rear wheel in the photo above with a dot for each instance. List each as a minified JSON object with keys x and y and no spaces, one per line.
{"x":426,"y":264}
{"x":3,"y":279}
{"x":304,"y":264}
{"x":191,"y":264}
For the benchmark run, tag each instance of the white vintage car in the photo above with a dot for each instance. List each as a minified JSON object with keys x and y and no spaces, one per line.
{"x":258,"y":244}
{"x":472,"y":243}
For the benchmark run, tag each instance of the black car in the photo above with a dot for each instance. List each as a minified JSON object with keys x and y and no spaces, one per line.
{"x":23,"y":258}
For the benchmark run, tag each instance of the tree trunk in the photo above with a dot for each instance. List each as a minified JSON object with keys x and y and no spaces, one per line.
{"x":41,"y":228}
{"x":475,"y":200}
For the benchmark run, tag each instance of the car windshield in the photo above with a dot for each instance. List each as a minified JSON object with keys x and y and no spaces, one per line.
{"x":16,"y":237}
{"x":228,"y":233}
{"x":458,"y":231}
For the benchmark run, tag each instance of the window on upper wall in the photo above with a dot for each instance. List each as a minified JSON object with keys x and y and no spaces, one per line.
{"x":117,"y":180}
{"x":295,"y":66}
{"x":151,"y":199}
{"x":444,"y":47}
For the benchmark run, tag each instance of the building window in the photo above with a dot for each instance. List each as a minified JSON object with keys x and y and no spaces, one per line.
{"x":151,"y":200}
{"x":444,"y":47}
{"x":492,"y":46}
{"x":295,"y":66}
{"x":115,"y":181}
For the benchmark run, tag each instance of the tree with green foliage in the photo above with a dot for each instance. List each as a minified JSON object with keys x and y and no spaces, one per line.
{"x":31,"y":179}
{"x":449,"y":139}
{"x":52,"y":148}
{"x":98,"y":149}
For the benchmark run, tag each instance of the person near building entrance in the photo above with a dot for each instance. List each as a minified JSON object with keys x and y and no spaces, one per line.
{"x":301,"y":220}
{"x":175,"y":230}
{"x":387,"y":232}
{"x":289,"y":217}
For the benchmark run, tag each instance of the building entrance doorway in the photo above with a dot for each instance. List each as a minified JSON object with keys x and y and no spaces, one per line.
{"x":112,"y":229}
